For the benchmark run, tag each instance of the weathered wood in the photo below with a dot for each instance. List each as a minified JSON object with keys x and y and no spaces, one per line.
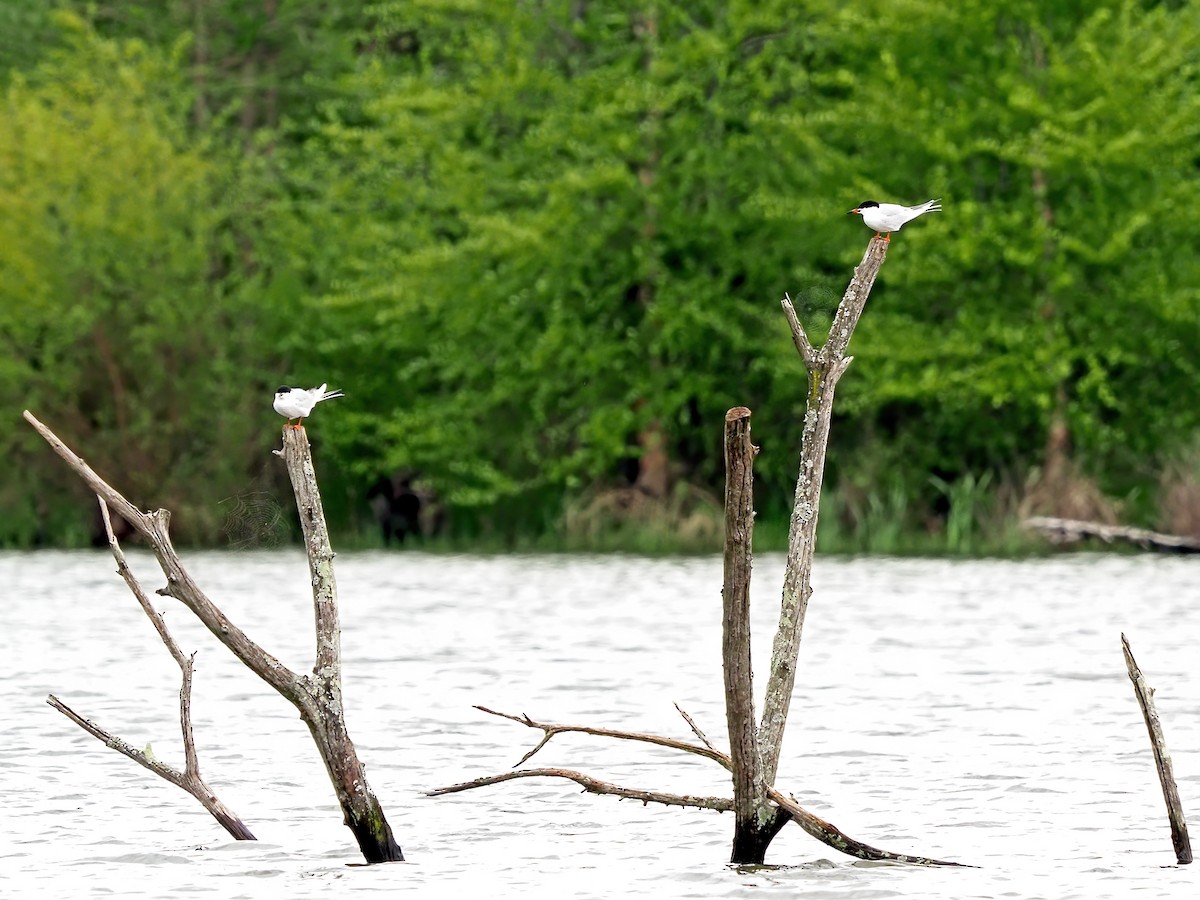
{"x":757,"y":821}
{"x":189,"y":779}
{"x":318,"y":698}
{"x":825,"y":368}
{"x":592,"y":786}
{"x":760,"y":809}
{"x":155,"y":530}
{"x":1162,"y":757}
{"x":324,"y":715}
{"x":1069,"y":531}
{"x":789,"y":809}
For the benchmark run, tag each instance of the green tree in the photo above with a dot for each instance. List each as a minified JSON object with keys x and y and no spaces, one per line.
{"x":124,"y":286}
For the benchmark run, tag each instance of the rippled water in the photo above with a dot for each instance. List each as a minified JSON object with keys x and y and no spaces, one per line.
{"x":975,"y":711}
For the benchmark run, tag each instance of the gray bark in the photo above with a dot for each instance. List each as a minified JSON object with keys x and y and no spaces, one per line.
{"x":1162,"y":758}
{"x":318,"y":697}
{"x":825,"y":367}
{"x":757,"y":820}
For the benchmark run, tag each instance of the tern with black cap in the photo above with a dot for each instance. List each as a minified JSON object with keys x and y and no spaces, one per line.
{"x":295,"y":403}
{"x":888,"y":217}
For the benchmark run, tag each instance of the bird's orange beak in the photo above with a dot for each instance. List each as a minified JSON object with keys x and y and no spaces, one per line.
{"x":852,"y":211}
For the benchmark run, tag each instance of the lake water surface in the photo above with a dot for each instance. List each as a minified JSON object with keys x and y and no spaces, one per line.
{"x":974,"y":711}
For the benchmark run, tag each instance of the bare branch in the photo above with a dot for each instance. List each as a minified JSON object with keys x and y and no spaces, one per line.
{"x":552,"y":729}
{"x":799,"y":337}
{"x":813,"y":825}
{"x":297,"y":456}
{"x":700,"y":735}
{"x":135,"y":587}
{"x":188,"y":781}
{"x":1065,"y":531}
{"x":832,"y":836}
{"x":185,"y":663}
{"x":154,"y":527}
{"x":318,"y":699}
{"x":797,"y":578}
{"x":159,"y":768}
{"x":591,"y":786}
{"x":1162,"y":758}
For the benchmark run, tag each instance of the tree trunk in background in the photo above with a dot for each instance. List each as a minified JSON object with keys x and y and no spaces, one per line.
{"x":654,"y":470}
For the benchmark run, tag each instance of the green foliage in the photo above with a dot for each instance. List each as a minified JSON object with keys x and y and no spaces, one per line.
{"x":124,"y":312}
{"x":522,"y":236}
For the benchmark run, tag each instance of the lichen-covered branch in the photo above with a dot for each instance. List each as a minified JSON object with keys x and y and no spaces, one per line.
{"x":824,"y":372}
{"x":321,"y":707}
{"x":319,"y":698}
{"x":189,"y":781}
{"x":834,"y":837}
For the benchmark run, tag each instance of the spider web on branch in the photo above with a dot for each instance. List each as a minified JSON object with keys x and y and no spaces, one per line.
{"x":254,"y":519}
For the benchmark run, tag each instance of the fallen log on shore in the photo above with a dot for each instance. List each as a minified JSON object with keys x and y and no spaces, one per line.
{"x":1070,"y":531}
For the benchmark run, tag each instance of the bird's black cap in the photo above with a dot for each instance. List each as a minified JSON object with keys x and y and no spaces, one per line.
{"x":283,"y":390}
{"x":867,"y":203}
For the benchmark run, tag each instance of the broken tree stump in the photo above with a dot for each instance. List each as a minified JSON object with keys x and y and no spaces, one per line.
{"x":1162,"y":757}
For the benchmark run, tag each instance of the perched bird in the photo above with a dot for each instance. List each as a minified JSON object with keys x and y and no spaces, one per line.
{"x":295,"y":403}
{"x":888,"y":217}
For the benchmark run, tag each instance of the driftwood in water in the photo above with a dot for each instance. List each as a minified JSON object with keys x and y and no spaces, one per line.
{"x":189,"y":779}
{"x":1070,"y":531}
{"x":760,"y":809}
{"x":1162,"y":757}
{"x":316,"y":696}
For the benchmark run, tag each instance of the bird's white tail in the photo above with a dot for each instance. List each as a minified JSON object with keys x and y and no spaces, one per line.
{"x":931,"y":206}
{"x":323,"y":394}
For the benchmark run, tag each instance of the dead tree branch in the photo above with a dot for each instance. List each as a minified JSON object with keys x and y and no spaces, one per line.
{"x":700,"y":735}
{"x":551,"y":729}
{"x":825,"y":369}
{"x":757,"y":821}
{"x":788,"y":808}
{"x":592,"y":786}
{"x":760,"y":809}
{"x":1162,"y":758}
{"x":317,"y":697}
{"x":832,"y":836}
{"x":189,"y":779}
{"x":322,"y":709}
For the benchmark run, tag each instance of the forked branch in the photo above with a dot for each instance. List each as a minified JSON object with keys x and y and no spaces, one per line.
{"x":814,"y":825}
{"x":154,"y":528}
{"x":825,"y":368}
{"x":189,"y":779}
{"x":318,"y":698}
{"x":551,"y":729}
